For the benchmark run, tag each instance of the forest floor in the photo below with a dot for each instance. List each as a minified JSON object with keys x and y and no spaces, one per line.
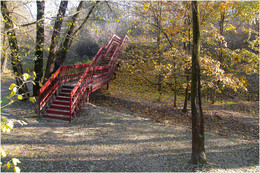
{"x":130,"y":134}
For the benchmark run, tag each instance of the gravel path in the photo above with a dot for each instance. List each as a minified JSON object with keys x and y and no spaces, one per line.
{"x":103,"y":139}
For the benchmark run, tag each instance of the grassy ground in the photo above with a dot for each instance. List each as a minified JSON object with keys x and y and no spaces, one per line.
{"x":240,"y":118}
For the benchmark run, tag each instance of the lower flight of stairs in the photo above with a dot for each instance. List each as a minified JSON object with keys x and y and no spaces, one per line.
{"x":60,"y":108}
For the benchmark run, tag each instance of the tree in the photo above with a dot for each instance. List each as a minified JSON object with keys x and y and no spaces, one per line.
{"x":71,"y":33}
{"x":55,"y":40}
{"x":198,"y":149}
{"x":15,"y":56}
{"x":4,"y":49}
{"x":38,"y":64}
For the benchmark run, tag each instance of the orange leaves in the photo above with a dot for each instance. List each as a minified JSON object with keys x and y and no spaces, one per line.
{"x":146,"y":110}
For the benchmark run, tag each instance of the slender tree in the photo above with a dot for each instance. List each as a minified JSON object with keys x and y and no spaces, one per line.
{"x":15,"y":56}
{"x":198,"y":149}
{"x":55,"y":40}
{"x":71,"y":33}
{"x":4,"y":49}
{"x":38,"y":64}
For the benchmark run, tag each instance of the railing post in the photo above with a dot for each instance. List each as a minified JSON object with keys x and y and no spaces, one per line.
{"x":70,"y":106}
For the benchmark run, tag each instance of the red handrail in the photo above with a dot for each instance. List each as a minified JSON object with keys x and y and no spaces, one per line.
{"x":85,"y":74}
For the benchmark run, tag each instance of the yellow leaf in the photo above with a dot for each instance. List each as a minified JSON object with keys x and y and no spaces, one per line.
{"x":12,"y":86}
{"x":26,"y":76}
{"x":3,"y":154}
{"x":107,"y":20}
{"x":20,"y":97}
{"x":11,"y":94}
{"x":32,"y":99}
{"x":34,"y":74}
{"x":51,"y":27}
{"x":15,"y":161}
{"x":17,"y":169}
{"x":10,"y":125}
{"x":117,"y":20}
{"x":40,"y":84}
{"x":8,"y":165}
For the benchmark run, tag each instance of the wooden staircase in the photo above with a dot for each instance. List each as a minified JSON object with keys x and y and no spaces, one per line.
{"x":60,"y":108}
{"x":63,"y":95}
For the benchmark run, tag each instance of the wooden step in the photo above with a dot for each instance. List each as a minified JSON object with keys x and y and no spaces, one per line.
{"x":66,"y":90}
{"x":68,"y":86}
{"x":63,"y":98}
{"x":59,"y":106}
{"x":58,"y":111}
{"x":58,"y":116}
{"x":61,"y":102}
{"x":64,"y":94}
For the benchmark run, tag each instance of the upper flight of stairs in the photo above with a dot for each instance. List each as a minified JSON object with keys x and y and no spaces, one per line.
{"x":63,"y":95}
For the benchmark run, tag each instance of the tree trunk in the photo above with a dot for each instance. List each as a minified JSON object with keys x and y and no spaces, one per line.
{"x":4,"y":54}
{"x":175,"y":87}
{"x":221,"y":31}
{"x":186,"y":95}
{"x":160,"y":54}
{"x":15,"y":56}
{"x":38,"y":64}
{"x":71,"y":34}
{"x":198,"y":149}
{"x":213,"y":94}
{"x":55,"y":40}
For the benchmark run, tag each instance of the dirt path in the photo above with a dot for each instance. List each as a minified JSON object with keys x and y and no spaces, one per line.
{"x":106,"y":140}
{"x":103,"y":139}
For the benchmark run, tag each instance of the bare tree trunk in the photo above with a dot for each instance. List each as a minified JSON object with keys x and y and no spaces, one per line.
{"x":175,"y":87}
{"x":71,"y":34}
{"x":187,"y":71}
{"x":213,"y":95}
{"x":159,"y":53}
{"x":221,"y":31}
{"x":186,"y":95}
{"x":15,"y":56}
{"x":38,"y":64}
{"x":55,"y":40}
{"x":198,"y":149}
{"x":4,"y":54}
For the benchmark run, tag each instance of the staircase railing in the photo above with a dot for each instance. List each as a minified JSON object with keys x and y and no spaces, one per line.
{"x":101,"y":74}
{"x":65,"y":74}
{"x":84,"y":74}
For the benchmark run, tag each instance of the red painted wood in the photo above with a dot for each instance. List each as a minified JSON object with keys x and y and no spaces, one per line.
{"x":58,"y":111}
{"x":66,"y":90}
{"x":58,"y":106}
{"x":61,"y":102}
{"x":63,"y":98}
{"x":65,"y":94}
{"x":89,"y":77}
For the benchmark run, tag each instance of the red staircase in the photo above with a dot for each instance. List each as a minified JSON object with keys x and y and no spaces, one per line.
{"x":63,"y":95}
